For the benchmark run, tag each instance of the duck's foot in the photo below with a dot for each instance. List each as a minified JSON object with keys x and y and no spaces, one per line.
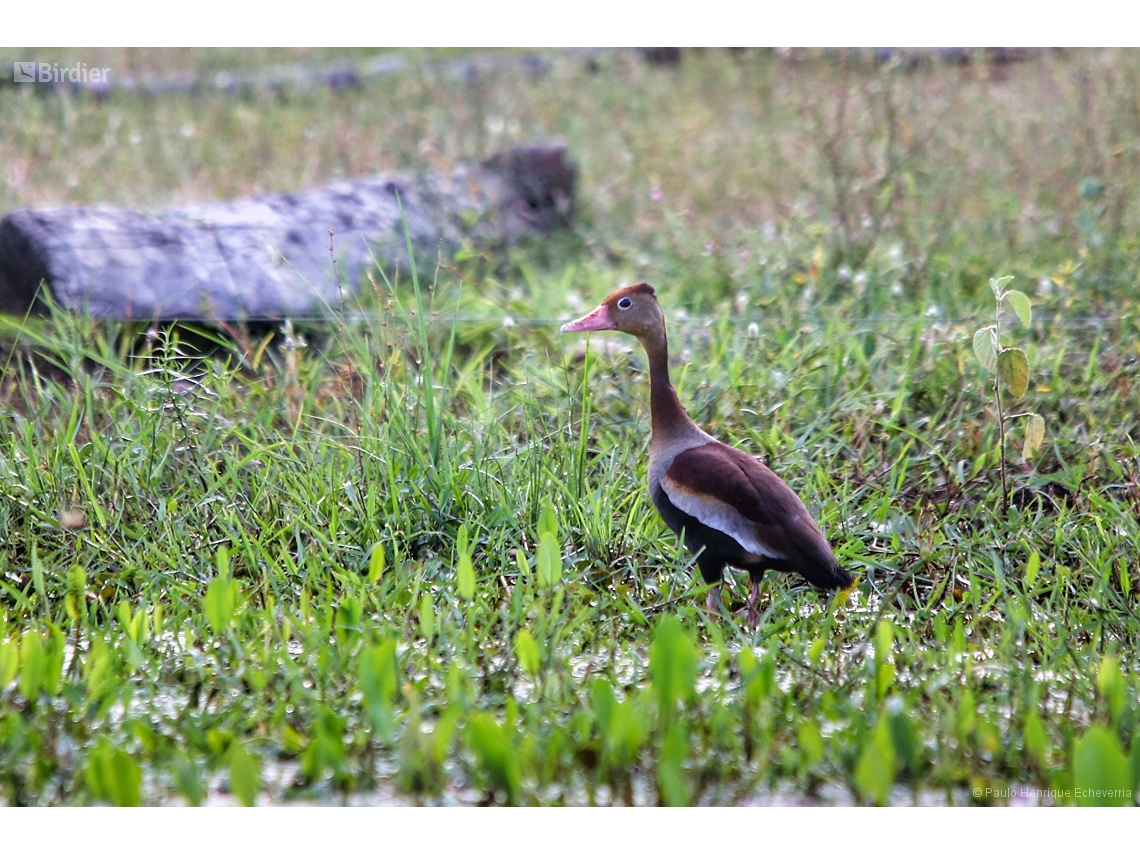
{"x":752,"y":612}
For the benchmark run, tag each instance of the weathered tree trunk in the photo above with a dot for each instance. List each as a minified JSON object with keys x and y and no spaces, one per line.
{"x":269,"y":258}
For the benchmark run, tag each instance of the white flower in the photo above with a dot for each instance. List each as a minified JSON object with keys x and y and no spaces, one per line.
{"x":754,"y":330}
{"x":843,"y":274}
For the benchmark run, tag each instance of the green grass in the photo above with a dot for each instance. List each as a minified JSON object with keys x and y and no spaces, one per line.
{"x":266,"y":593}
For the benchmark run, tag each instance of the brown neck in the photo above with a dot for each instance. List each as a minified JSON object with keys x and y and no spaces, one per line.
{"x":669,"y":417}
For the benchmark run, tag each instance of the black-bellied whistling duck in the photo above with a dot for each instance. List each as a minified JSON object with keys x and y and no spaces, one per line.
{"x":732,"y":508}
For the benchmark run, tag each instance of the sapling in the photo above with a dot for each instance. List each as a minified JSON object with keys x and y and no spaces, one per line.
{"x":1010,"y":368}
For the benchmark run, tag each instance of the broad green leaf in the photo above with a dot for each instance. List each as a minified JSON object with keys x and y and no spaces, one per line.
{"x":548,"y":520}
{"x":33,"y":665}
{"x":526,"y":649}
{"x":1036,"y":740}
{"x":1013,"y":369}
{"x":1110,"y":684}
{"x":220,"y":602}
{"x":875,"y":771}
{"x":378,"y":674}
{"x":494,"y":754}
{"x":759,"y":677}
{"x":1021,"y":307}
{"x":959,"y":636}
{"x":746,"y":662}
{"x":53,"y":659}
{"x":349,"y":619}
{"x":461,"y":539}
{"x":1101,"y":773}
{"x":75,"y":603}
{"x":9,"y":662}
{"x":187,"y":782}
{"x":123,"y":613}
{"x":905,"y":739}
{"x":671,"y":785}
{"x":672,"y":664}
{"x":1032,"y":566}
{"x":326,"y":751}
{"x":441,"y":737}
{"x":113,"y":776}
{"x":137,"y":630}
{"x":603,"y":703}
{"x":884,"y":669}
{"x":1134,"y":761}
{"x":884,"y":678}
{"x":219,"y":740}
{"x":967,"y":718}
{"x":99,"y":668}
{"x":465,"y":577}
{"x":377,"y":561}
{"x":245,"y":775}
{"x":816,"y":651}
{"x":427,"y":617}
{"x":884,"y":638}
{"x":810,"y":743}
{"x":549,"y":561}
{"x":986,"y":349}
{"x":998,"y":285}
{"x":1034,"y":435}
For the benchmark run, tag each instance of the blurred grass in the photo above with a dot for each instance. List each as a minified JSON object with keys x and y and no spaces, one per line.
{"x":192,"y":604}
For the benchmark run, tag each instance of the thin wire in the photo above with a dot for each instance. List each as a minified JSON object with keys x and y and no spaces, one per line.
{"x":507,"y":321}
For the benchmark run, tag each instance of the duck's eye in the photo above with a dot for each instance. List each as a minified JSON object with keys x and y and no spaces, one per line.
{"x":624,"y":303}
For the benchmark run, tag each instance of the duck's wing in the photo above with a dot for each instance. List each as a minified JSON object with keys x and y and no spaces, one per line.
{"x":734,"y":493}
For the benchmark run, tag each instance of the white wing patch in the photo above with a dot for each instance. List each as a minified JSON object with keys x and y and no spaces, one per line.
{"x":719,"y":515}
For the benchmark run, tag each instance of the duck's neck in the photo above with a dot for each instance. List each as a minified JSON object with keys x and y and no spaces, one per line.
{"x":668,"y":416}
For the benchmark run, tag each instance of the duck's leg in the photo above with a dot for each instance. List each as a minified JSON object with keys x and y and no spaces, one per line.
{"x":753,"y":596}
{"x":712,"y":571}
{"x":712,"y":602}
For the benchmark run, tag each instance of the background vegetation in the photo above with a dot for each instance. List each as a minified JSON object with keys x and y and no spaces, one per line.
{"x":410,"y":558}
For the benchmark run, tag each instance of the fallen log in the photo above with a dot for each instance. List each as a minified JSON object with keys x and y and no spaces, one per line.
{"x":269,"y":258}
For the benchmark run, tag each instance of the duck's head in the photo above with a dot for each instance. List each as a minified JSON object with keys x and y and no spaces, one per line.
{"x":632,"y":310}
